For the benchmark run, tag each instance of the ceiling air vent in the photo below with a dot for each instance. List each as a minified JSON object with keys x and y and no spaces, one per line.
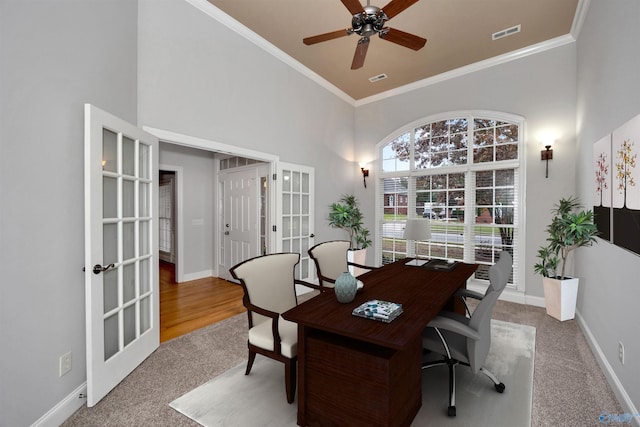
{"x":505,"y":33}
{"x":377,"y":78}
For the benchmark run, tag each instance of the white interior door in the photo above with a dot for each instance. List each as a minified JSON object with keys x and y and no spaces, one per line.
{"x":296,"y":214}
{"x":240,"y":218}
{"x":121,"y":249}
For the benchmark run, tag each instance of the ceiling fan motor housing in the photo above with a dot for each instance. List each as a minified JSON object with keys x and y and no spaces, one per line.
{"x":369,"y":22}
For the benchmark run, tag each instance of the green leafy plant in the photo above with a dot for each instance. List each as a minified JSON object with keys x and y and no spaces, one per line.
{"x":570,"y":229}
{"x":345,"y":214}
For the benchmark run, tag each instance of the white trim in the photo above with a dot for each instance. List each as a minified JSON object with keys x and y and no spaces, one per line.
{"x":471,"y":68}
{"x":580,"y":16}
{"x":237,"y":27}
{"x":617,"y":387}
{"x":205,"y":144}
{"x":234,"y":25}
{"x":198,"y":275}
{"x":510,"y":295}
{"x":179,"y":216}
{"x":64,"y":409}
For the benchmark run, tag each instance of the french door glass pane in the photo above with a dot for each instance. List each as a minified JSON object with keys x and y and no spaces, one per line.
{"x":295,"y":182}
{"x":109,"y":197}
{"x":144,"y":161}
{"x":145,"y":276}
{"x":129,"y":324}
{"x":128,"y":156}
{"x":145,"y":314}
{"x":145,"y":247}
{"x":144,"y":199}
{"x":109,"y":151}
{"x":295,"y":204}
{"x":110,"y":243}
{"x":128,"y":198}
{"x":110,"y":290}
{"x":111,"y":346}
{"x":128,"y":282}
{"x":128,"y":240}
{"x":286,"y":204}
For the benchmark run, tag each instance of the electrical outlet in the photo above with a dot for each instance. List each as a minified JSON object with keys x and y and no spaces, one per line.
{"x":65,"y":363}
{"x":621,"y":352}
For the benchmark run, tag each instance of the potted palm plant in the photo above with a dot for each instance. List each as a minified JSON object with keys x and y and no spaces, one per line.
{"x":345,"y":214}
{"x":570,"y":228}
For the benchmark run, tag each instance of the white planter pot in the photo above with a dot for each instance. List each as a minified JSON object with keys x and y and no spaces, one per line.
{"x":359,"y":257}
{"x":560,"y":297}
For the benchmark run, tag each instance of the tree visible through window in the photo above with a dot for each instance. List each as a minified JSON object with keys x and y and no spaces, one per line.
{"x":463,"y":175}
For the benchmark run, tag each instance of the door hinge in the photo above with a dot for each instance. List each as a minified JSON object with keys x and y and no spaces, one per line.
{"x":274,"y":176}
{"x":273,"y":228}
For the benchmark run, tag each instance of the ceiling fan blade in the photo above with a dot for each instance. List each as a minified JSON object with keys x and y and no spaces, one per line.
{"x":324,"y":37}
{"x":396,"y":6}
{"x":361,"y":53}
{"x":404,"y":39}
{"x":354,"y":6}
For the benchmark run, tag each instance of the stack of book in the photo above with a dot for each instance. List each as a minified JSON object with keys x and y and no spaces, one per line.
{"x":383,"y":311}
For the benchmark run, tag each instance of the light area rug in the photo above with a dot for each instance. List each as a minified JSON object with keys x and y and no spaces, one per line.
{"x":233,"y":399}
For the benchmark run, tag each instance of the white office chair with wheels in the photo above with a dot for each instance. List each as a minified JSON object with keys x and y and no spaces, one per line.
{"x":466,"y":340}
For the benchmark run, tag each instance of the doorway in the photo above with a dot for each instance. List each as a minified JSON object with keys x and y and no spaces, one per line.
{"x":167,"y":216}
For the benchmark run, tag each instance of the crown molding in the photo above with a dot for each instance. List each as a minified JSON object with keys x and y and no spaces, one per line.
{"x":471,"y":68}
{"x":580,"y":16}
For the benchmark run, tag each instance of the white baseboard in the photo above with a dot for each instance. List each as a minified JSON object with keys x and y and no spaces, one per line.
{"x":512,"y":295}
{"x":187,"y":277}
{"x":618,"y":389}
{"x":64,"y":409}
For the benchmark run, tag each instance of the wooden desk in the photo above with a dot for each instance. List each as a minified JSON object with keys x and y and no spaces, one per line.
{"x":354,"y":371}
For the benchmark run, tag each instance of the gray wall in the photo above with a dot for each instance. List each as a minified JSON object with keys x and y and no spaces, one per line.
{"x":541,"y":88}
{"x":200,"y":79}
{"x":198,"y":206}
{"x":608,"y":96}
{"x":55,"y":56}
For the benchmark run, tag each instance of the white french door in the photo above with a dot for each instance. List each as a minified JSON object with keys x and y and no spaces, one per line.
{"x":121,"y":249}
{"x":240,"y":231}
{"x":296,"y":214}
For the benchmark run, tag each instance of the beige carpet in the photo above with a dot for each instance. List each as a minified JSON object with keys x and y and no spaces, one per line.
{"x":233,"y":399}
{"x":569,"y":388}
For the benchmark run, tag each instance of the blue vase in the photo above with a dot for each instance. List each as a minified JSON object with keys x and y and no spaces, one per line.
{"x":346,"y":287}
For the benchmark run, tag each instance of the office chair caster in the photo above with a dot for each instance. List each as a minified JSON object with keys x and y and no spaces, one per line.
{"x":451,"y":411}
{"x":499,"y":388}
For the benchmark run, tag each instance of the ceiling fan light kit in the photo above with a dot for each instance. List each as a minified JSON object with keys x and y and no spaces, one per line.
{"x":368,"y":21}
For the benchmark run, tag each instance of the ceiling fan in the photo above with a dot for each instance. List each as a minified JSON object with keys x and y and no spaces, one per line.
{"x":368,"y":21}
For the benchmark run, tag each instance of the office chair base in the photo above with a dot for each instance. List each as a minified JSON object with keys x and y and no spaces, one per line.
{"x":451,"y":364}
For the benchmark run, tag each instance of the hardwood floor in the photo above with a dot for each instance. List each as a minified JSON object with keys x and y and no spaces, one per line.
{"x":188,"y":306}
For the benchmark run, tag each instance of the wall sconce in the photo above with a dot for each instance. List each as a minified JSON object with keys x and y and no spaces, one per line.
{"x":365,"y":173}
{"x":547,"y":154}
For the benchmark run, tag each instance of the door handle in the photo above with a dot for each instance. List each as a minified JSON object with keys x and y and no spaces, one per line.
{"x":312,"y":235}
{"x":97,"y":269}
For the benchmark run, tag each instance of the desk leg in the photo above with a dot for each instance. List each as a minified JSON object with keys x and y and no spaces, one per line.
{"x":302,"y":395}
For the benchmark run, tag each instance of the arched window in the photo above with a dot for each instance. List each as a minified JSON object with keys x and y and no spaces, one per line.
{"x":462,"y":171}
